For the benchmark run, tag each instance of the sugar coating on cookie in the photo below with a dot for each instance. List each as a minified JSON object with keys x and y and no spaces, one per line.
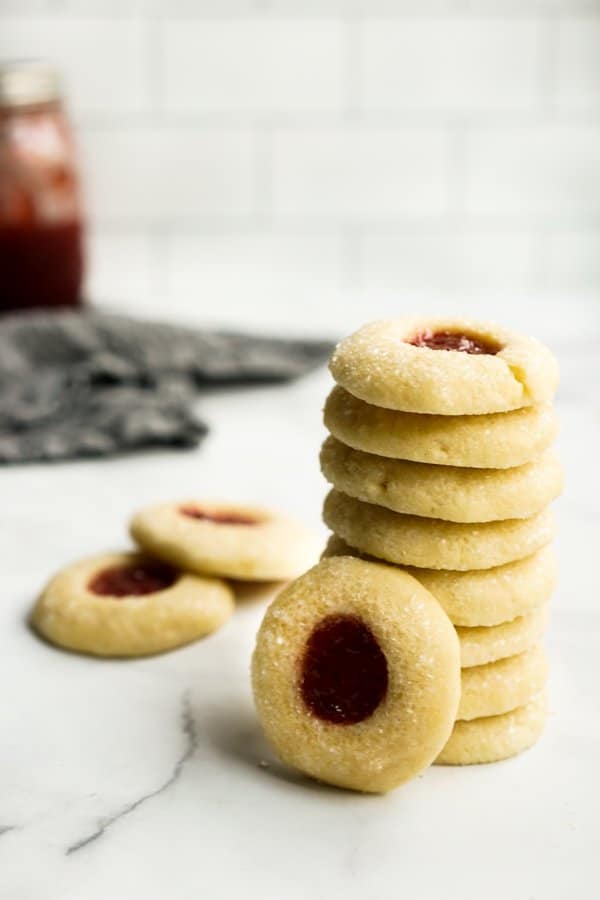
{"x":484,"y":596}
{"x":497,"y":687}
{"x":444,"y":366}
{"x":493,"y":738}
{"x":432,"y":543}
{"x":451,"y":493}
{"x":487,"y":643}
{"x":207,"y":537}
{"x":494,"y":441}
{"x":356,"y":675}
{"x":126,"y":604}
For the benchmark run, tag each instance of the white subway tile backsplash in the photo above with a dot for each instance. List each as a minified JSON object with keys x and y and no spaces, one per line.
{"x":458,"y":63}
{"x":359,"y":7}
{"x":571,"y":262}
{"x":22,"y":7}
{"x":309,"y":149}
{"x":528,"y":7}
{"x":265,"y":280}
{"x":545,"y":172}
{"x":105,"y":63}
{"x":122,"y":8}
{"x":418,"y":264}
{"x":357,"y":172}
{"x":578,"y":82}
{"x":199,"y":9}
{"x":253,"y":65}
{"x":106,"y":8}
{"x":124,"y":272}
{"x":162,"y":176}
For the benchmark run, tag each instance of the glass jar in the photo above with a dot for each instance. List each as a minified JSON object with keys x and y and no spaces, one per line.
{"x":41,"y":218}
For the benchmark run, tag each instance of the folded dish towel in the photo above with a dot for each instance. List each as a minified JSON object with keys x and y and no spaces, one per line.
{"x":91,"y":384}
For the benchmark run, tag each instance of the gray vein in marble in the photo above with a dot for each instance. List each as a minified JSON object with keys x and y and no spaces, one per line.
{"x":188,"y":729}
{"x":4,"y":829}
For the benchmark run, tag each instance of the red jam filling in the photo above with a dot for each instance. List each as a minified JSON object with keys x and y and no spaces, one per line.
{"x":450,"y":340}
{"x":133,"y":580}
{"x":218,"y":518}
{"x":344,"y":675}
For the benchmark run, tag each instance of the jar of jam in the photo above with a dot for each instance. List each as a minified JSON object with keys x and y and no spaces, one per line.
{"x":41,"y":220}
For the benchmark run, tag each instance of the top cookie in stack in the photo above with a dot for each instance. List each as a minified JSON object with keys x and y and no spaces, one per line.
{"x":440,"y":462}
{"x":484,"y":369}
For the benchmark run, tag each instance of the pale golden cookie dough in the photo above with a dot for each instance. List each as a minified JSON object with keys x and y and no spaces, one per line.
{"x":484,"y":596}
{"x":486,"y":644}
{"x":263,"y":546}
{"x":414,"y":718}
{"x":443,"y":492}
{"x":378,"y":365}
{"x":494,"y":441}
{"x":494,"y":738}
{"x":498,"y":687}
{"x":431,"y":543}
{"x":70,"y":614}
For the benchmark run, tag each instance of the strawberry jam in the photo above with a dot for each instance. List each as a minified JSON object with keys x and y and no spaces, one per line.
{"x":450,"y":340}
{"x":133,"y":580}
{"x":344,"y":675}
{"x":218,"y":518}
{"x":40,"y":265}
{"x":41,"y":209}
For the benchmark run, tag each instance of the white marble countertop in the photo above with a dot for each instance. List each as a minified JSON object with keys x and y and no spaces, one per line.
{"x":149,"y":779}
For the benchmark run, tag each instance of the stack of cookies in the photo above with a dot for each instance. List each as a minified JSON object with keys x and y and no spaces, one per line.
{"x":439,"y":456}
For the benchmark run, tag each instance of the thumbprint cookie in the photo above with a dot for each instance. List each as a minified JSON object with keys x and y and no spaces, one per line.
{"x":356,"y":675}
{"x":244,"y":542}
{"x":127,"y":604}
{"x":444,"y":366}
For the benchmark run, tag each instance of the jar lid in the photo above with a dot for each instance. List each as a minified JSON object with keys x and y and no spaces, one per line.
{"x":27,"y":82}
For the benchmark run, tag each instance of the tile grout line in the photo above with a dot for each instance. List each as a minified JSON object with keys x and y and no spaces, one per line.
{"x":392,"y":120}
{"x":352,"y":68}
{"x":154,"y":68}
{"x":322,"y":225}
{"x":263,"y":176}
{"x":548,"y":62}
{"x":456,"y":169}
{"x":352,"y":263}
{"x":548,"y":71}
{"x":539,"y":266}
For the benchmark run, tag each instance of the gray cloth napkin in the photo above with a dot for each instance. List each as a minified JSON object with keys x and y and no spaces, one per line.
{"x":79,"y":384}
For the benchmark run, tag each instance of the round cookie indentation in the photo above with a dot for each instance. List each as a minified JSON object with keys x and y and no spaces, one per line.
{"x":498,"y":687}
{"x":143,"y":577}
{"x":344,"y":673}
{"x":234,"y":541}
{"x":432,"y":543}
{"x":379,"y":365}
{"x":452,"y":340}
{"x":413,"y":719}
{"x":217,"y":517}
{"x":486,"y":644}
{"x":494,"y":441}
{"x":493,"y":738}
{"x":484,"y":596}
{"x":450,"y":493}
{"x":131,"y":620}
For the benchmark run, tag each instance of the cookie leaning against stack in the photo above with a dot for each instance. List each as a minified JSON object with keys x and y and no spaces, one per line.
{"x":440,"y":463}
